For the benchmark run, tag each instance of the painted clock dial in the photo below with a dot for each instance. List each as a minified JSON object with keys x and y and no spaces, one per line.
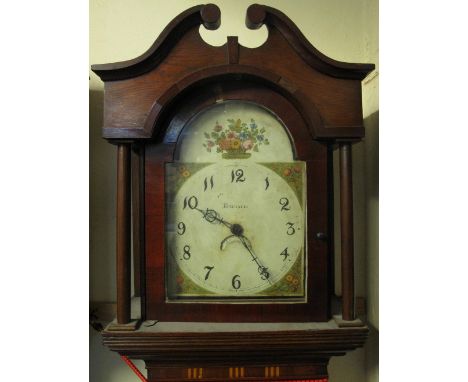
{"x":235,"y":213}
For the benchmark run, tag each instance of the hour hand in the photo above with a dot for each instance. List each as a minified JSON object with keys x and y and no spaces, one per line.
{"x":225,"y":241}
{"x":233,"y":236}
{"x":212,"y":216}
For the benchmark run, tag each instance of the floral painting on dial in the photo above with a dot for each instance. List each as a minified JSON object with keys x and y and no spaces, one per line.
{"x":235,"y":140}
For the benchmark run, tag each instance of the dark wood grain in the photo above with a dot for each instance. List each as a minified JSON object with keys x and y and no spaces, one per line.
{"x":347,"y":233}
{"x":233,"y":50}
{"x":137,"y":160}
{"x":257,"y":15}
{"x":208,"y":15}
{"x":331,"y":88}
{"x":330,"y":237}
{"x":123,"y":234}
{"x":299,"y":354}
{"x":216,"y":347}
{"x":247,"y":76}
{"x":316,"y":370}
{"x":211,"y":16}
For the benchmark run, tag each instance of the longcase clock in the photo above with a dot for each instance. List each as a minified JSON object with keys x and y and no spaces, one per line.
{"x":225,"y":176}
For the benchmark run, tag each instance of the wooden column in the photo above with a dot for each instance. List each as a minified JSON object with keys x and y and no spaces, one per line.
{"x":123,"y":234}
{"x":137,"y":194}
{"x":347,"y":239}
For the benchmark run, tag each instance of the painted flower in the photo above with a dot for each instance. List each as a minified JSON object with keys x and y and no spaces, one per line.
{"x":234,"y":140}
{"x":225,"y":144}
{"x":179,"y":280}
{"x":297,"y":169}
{"x":247,"y":145}
{"x":186,"y":174}
{"x":287,"y":172}
{"x":235,"y":144}
{"x":238,"y":125}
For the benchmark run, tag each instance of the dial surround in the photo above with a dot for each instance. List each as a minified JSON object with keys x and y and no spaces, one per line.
{"x":236,"y":229}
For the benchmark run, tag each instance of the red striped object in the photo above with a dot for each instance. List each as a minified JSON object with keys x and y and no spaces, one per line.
{"x":134,"y":368}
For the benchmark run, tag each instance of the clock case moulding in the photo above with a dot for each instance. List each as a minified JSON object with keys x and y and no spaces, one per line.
{"x":320,"y":102}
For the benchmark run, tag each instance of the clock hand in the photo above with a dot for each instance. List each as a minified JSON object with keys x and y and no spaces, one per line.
{"x":224,"y":241}
{"x":237,"y":230}
{"x":211,"y":216}
{"x":261,"y":269}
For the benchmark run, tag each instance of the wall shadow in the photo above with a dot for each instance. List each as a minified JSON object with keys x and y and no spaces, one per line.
{"x":372,"y":355}
{"x":371,"y":143}
{"x":102,"y":178}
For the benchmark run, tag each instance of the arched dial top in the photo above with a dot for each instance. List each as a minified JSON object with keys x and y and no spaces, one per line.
{"x":232,"y":130}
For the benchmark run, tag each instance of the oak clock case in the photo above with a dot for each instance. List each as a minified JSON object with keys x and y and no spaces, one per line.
{"x":235,"y":210}
{"x":225,"y":199}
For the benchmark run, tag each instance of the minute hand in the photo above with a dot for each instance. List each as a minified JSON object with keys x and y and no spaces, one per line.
{"x":261,"y":269}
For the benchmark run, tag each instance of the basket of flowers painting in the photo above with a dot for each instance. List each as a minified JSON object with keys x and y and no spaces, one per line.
{"x":235,"y":140}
